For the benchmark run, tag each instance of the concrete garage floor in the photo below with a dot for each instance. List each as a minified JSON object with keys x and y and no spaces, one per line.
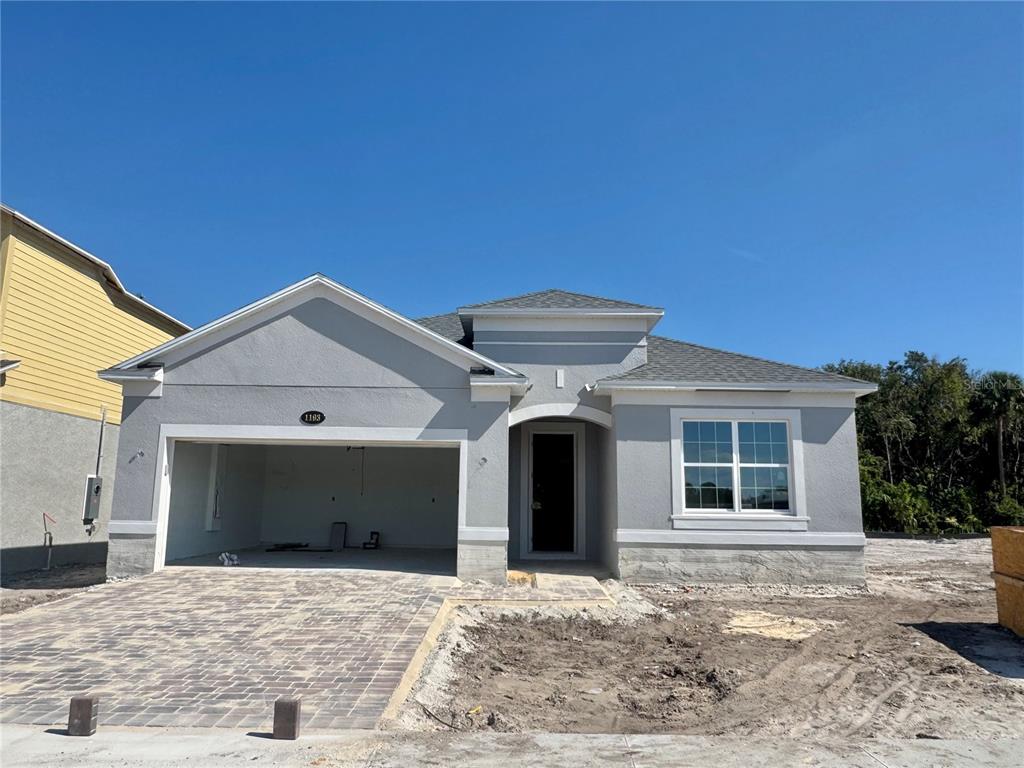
{"x":437,"y":562}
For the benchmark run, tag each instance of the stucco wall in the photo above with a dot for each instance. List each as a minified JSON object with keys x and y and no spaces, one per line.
{"x":606,"y":551}
{"x":644,"y":474}
{"x":369,"y":378}
{"x":515,"y":442}
{"x":44,"y":459}
{"x":318,"y":344}
{"x":583,"y":365}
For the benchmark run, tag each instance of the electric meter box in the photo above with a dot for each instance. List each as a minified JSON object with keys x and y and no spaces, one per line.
{"x":93,"y":492}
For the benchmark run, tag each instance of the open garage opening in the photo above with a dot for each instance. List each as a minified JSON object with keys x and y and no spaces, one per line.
{"x":376,"y":507}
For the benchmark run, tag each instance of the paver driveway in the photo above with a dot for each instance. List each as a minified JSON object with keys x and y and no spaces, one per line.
{"x":215,"y":647}
{"x":206,"y":647}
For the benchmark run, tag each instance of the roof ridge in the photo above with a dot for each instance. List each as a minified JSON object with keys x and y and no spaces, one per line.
{"x":510,"y":298}
{"x":604,"y":298}
{"x":432,"y":317}
{"x":755,"y":357}
{"x":599,"y":301}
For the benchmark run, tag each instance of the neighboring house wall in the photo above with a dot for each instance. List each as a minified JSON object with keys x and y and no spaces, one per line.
{"x":44,"y":459}
{"x":63,"y":320}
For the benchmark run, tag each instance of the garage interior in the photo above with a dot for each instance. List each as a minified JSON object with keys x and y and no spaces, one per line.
{"x":245,"y":498}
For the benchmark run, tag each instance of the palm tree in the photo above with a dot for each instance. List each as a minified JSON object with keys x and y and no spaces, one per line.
{"x":1001,"y":394}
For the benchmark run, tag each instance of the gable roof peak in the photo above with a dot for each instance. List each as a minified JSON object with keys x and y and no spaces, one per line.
{"x":320,"y":285}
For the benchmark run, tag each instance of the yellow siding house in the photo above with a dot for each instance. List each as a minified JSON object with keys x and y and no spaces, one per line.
{"x":64,"y":315}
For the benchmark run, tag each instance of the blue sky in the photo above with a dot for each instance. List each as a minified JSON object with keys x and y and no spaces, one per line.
{"x":802,"y":182}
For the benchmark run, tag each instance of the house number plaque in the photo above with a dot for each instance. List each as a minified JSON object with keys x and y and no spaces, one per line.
{"x":312,"y":417}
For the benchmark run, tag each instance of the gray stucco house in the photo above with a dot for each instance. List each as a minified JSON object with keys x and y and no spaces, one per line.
{"x":552,"y":425}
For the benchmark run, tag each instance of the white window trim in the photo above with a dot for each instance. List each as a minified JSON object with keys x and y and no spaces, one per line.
{"x":796,"y":519}
{"x":526,"y":490}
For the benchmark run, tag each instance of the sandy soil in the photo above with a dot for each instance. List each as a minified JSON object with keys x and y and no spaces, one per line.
{"x":24,"y":590}
{"x":915,"y":654}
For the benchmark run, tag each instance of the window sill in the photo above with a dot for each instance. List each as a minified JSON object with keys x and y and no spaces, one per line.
{"x":730,"y":521}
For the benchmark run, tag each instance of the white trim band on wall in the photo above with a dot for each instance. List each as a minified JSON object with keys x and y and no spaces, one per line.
{"x":137,"y":527}
{"x":734,"y":538}
{"x":469,"y":534}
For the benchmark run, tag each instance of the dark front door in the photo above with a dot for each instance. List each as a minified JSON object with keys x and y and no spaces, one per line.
{"x":553,"y":492}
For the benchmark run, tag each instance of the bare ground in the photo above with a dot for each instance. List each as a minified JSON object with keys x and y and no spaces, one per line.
{"x":24,"y":590}
{"x":915,"y":654}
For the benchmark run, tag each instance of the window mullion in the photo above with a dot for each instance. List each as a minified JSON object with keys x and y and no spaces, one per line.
{"x":736,"y":504}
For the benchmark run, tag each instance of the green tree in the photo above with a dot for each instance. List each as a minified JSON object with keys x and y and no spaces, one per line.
{"x":1000,"y":399}
{"x":941,"y":447}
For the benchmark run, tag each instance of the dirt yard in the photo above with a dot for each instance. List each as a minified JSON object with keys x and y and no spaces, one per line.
{"x":24,"y":590}
{"x":915,"y":654}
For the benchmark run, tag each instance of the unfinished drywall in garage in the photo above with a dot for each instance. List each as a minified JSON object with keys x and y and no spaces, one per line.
{"x":240,"y":499}
{"x":410,"y":495}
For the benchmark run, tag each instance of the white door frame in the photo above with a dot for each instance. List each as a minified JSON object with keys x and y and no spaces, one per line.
{"x":283,"y":435}
{"x":578,"y":430}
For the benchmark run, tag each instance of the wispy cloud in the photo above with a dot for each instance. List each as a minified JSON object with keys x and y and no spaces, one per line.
{"x":754,"y":258}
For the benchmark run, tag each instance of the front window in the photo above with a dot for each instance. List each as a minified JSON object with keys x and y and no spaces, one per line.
{"x":721,"y":456}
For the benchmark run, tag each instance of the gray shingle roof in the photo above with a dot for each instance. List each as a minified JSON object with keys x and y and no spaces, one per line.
{"x":679,"y":361}
{"x":669,"y":360}
{"x":448,"y":325}
{"x":554,"y":298}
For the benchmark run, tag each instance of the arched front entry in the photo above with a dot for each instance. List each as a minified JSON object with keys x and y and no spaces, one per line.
{"x":568,"y":410}
{"x":561,"y":486}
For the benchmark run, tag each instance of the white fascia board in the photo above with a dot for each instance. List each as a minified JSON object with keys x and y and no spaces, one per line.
{"x":8,"y":365}
{"x":649,"y":316}
{"x":137,"y":382}
{"x":106,"y":269}
{"x":132,"y":374}
{"x":518,"y":384}
{"x":496,"y":388}
{"x":610,"y":387}
{"x":370,"y":309}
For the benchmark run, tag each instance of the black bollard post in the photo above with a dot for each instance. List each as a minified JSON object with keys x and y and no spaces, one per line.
{"x":287,"y":713}
{"x":82,"y":715}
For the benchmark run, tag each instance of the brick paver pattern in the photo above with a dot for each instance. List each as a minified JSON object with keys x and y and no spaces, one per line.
{"x":206,"y":647}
